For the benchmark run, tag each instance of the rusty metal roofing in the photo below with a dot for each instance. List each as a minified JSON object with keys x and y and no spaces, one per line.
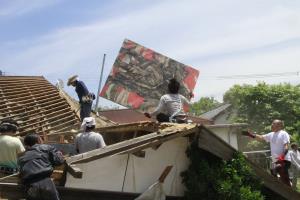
{"x":123,"y":116}
{"x":35,"y":104}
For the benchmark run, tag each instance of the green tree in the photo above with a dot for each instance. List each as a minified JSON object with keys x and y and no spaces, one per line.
{"x":203,"y":105}
{"x":258,"y":105}
{"x":209,"y":177}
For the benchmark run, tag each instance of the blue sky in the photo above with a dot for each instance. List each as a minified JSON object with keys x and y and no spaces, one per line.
{"x":59,"y":38}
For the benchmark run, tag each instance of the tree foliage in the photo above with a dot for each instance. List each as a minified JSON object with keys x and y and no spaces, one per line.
{"x":204,"y":104}
{"x":258,"y":105}
{"x":209,"y":177}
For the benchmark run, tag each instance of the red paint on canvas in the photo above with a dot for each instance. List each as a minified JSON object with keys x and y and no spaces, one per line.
{"x":191,"y":78}
{"x":135,"y":100}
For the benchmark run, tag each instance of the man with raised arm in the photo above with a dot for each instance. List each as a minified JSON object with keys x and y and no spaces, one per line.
{"x":279,"y":142}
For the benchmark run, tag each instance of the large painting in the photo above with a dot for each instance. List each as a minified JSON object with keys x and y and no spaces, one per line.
{"x":139,"y":77}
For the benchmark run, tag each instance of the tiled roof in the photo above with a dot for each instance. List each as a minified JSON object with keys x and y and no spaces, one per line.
{"x":36,"y":104}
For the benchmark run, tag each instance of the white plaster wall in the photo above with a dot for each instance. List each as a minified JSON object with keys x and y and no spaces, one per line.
{"x":227,"y":134}
{"x":108,"y":173}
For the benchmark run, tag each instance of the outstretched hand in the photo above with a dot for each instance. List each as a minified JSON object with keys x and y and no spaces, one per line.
{"x":249,"y":133}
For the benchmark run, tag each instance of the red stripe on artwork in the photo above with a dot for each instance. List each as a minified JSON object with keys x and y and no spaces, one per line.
{"x":135,"y":100}
{"x":191,"y":78}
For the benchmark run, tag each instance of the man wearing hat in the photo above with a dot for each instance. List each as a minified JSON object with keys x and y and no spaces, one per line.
{"x":84,"y":96}
{"x":88,"y":140}
{"x":10,"y":147}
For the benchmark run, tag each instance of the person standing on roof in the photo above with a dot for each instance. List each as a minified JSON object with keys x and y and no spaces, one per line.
{"x":36,"y":167}
{"x":85,"y":97}
{"x":279,"y":141}
{"x":88,"y":140}
{"x":170,"y":107}
{"x":10,"y":147}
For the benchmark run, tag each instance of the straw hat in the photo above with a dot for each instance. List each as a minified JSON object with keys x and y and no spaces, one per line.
{"x":72,"y":80}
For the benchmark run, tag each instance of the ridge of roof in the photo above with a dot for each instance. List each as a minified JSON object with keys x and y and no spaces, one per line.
{"x":212,"y":114}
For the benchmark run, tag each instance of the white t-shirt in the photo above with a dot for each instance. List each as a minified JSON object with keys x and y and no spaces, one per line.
{"x":88,"y":141}
{"x":171,"y":104}
{"x":277,"y":141}
{"x":295,"y":158}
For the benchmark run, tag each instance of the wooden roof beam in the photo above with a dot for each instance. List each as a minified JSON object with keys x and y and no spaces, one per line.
{"x":20,"y":86}
{"x":58,"y":105}
{"x":44,"y":99}
{"x":23,"y":93}
{"x":32,"y":107}
{"x":36,"y":129}
{"x":47,"y":118}
{"x":27,"y":98}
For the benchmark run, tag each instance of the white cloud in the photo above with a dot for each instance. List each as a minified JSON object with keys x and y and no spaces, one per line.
{"x":20,"y":7}
{"x":231,"y":36}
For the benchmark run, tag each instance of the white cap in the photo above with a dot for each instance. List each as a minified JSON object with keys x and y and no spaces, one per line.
{"x":88,"y":122}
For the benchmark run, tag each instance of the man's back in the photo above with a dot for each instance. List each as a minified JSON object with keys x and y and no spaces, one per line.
{"x":9,"y":148}
{"x":38,"y":161}
{"x":88,"y":141}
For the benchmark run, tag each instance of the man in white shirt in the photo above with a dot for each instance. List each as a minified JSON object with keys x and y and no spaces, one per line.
{"x":279,"y":142}
{"x":295,"y":160}
{"x":88,"y":140}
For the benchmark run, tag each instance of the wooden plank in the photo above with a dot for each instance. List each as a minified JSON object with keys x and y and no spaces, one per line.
{"x":24,"y":92}
{"x":56,"y":114}
{"x":144,"y":126}
{"x":33,"y":106}
{"x":13,"y":78}
{"x":165,"y":173}
{"x":74,"y":171}
{"x":136,"y":144}
{"x":47,"y":108}
{"x":31,"y":101}
{"x":57,"y":121}
{"x":11,"y":87}
{"x":40,"y":111}
{"x":18,"y":98}
{"x":15,"y":191}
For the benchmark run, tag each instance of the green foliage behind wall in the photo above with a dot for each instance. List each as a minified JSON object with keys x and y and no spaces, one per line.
{"x":209,"y":177}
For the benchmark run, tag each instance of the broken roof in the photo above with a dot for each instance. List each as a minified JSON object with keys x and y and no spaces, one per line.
{"x":35,"y":104}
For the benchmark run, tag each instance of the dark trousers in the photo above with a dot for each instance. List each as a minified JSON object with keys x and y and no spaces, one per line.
{"x":42,"y":190}
{"x":85,"y":110}
{"x":161,"y":117}
{"x":282,"y":169}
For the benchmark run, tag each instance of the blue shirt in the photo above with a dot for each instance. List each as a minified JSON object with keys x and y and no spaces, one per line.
{"x":81,"y":90}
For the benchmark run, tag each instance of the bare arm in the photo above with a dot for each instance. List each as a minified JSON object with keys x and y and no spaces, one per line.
{"x":259,"y":138}
{"x":253,"y":135}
